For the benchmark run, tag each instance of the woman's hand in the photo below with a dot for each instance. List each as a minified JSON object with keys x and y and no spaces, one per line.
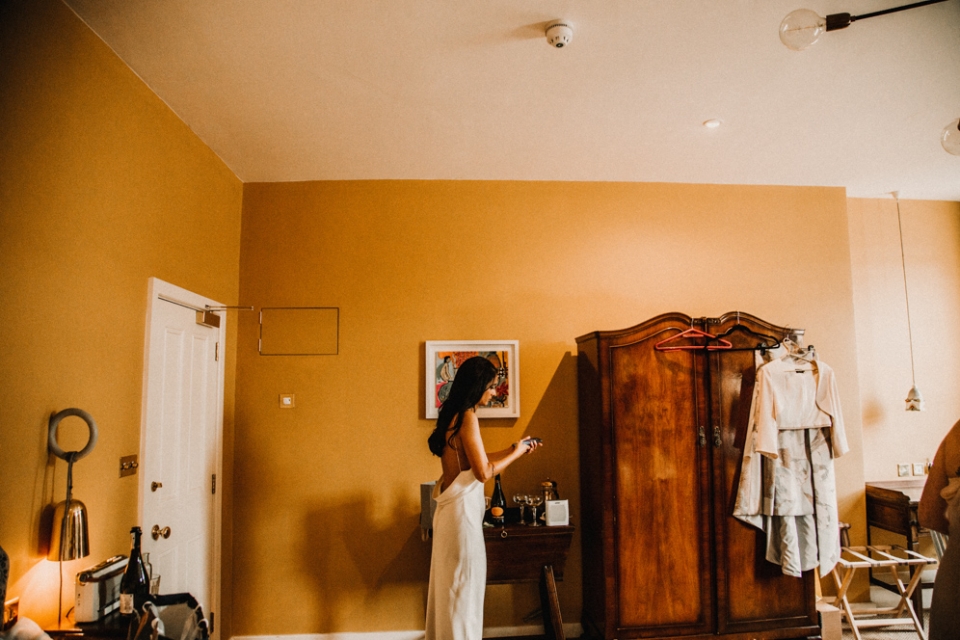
{"x":528,"y":445}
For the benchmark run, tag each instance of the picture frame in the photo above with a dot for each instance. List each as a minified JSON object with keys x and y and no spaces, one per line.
{"x":444,"y":356}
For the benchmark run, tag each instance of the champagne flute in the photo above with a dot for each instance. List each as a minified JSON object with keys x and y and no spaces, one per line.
{"x":535,"y":501}
{"x":520,"y":499}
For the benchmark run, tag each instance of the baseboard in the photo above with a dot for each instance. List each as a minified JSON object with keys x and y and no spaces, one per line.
{"x":535,"y":631}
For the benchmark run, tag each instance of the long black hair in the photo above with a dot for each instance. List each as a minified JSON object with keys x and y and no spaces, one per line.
{"x":466,"y":391}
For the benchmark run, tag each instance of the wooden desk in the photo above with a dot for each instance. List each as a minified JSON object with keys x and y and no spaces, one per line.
{"x":892,"y":506}
{"x":518,"y":553}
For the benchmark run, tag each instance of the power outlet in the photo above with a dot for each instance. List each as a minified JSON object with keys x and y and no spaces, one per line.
{"x":918,"y":468}
{"x":903,"y":470}
{"x":287,"y":401}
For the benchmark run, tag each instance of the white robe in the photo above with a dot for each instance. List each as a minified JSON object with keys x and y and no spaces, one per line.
{"x":787,"y":484}
{"x":458,"y":566}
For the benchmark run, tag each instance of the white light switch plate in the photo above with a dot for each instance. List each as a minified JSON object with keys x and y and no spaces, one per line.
{"x":903,"y":470}
{"x":918,"y":468}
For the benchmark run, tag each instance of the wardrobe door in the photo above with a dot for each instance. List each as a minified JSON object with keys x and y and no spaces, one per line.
{"x":661,"y":478}
{"x":752,"y":594}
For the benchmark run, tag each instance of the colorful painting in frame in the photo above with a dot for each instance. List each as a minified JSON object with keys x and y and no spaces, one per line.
{"x":445,"y":356}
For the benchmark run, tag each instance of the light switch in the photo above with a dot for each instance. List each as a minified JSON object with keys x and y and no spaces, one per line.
{"x":287,"y":401}
{"x":918,"y":468}
{"x":903,"y":470}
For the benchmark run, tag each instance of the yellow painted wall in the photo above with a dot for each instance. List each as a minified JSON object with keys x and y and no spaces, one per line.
{"x":101,"y":187}
{"x":931,"y":240}
{"x":329,"y":490}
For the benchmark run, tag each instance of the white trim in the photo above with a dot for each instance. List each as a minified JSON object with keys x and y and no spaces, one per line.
{"x":570,"y":630}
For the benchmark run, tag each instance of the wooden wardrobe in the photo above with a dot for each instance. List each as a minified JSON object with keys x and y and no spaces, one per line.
{"x":661,"y":440}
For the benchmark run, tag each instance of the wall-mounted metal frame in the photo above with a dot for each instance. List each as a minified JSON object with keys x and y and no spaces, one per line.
{"x":299,"y":331}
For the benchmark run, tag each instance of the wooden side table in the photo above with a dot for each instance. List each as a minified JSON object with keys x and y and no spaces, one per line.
{"x":518,"y":553}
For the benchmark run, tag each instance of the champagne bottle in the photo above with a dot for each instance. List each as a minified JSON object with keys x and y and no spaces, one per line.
{"x":134,"y":585}
{"x":498,"y":503}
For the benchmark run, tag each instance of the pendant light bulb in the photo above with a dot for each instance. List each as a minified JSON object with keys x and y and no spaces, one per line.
{"x":915,"y":400}
{"x":950,"y":138}
{"x":802,"y":28}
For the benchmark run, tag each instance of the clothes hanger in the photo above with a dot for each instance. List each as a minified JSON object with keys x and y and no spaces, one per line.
{"x":800,"y":355}
{"x":664,"y":345}
{"x":770,"y":341}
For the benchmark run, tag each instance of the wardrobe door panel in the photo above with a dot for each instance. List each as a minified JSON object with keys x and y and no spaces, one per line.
{"x":751,"y":592}
{"x":664,"y":575}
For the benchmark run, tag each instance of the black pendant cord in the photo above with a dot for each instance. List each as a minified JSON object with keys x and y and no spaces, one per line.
{"x":842,"y":20}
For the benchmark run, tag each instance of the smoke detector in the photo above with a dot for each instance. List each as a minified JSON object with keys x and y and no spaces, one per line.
{"x":559,"y":34}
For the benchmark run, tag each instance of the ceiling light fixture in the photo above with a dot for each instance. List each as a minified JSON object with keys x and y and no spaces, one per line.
{"x":950,"y":138}
{"x":914,"y":399}
{"x":713,"y":123}
{"x":803,"y":27}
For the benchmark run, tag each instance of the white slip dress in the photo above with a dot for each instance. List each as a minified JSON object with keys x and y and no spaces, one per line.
{"x":458,"y":566}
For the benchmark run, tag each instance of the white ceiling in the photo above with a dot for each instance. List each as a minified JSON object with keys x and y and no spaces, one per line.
{"x":290,"y":90}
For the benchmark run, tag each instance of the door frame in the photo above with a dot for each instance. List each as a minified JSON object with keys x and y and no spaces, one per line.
{"x":155,"y":288}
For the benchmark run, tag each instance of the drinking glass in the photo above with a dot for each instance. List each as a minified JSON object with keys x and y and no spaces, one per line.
{"x":535,"y":501}
{"x":520,"y":499}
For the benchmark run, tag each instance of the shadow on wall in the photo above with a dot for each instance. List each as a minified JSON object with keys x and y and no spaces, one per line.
{"x":349,"y":551}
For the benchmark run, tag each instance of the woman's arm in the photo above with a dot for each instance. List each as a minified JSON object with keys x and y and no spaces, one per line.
{"x":485,"y":466}
{"x":932,"y":509}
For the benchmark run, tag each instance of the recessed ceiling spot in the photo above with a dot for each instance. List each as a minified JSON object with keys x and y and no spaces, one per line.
{"x":713,"y":123}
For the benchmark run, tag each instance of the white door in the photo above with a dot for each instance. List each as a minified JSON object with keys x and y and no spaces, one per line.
{"x":180,"y":445}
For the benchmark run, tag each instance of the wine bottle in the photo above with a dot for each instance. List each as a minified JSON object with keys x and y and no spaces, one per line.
{"x":134,"y":585}
{"x":498,"y":503}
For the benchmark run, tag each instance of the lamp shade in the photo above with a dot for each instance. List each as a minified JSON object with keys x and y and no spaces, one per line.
{"x":915,"y":400}
{"x":70,"y":537}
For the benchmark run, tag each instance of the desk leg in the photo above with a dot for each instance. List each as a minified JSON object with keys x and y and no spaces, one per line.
{"x":550,"y":605}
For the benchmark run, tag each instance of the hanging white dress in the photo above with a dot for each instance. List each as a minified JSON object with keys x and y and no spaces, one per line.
{"x":787,"y":483}
{"x":458,"y":566}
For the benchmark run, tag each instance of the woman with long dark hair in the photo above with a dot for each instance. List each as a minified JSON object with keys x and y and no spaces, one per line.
{"x":458,"y":568}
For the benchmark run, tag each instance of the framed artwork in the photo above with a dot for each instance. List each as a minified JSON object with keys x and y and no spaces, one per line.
{"x":444,"y":357}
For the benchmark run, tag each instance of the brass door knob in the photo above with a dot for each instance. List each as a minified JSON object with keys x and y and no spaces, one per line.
{"x":156,"y":532}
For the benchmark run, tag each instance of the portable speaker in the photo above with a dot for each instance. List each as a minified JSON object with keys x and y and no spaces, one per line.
{"x":556,"y":513}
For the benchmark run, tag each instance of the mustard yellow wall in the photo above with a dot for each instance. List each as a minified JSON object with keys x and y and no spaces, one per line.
{"x":327,"y":493}
{"x":931,"y":255}
{"x":101,"y":187}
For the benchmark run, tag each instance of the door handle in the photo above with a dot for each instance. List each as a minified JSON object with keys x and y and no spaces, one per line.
{"x":155,"y":485}
{"x":156,"y":532}
{"x":717,"y":440}
{"x":701,"y":437}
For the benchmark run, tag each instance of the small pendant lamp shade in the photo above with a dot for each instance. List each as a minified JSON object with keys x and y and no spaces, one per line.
{"x":70,"y":538}
{"x":915,"y":400}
